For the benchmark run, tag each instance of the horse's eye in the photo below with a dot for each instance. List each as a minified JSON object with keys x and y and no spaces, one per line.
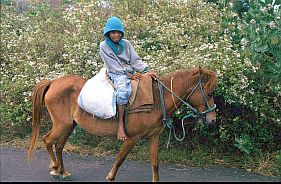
{"x":210,"y":94}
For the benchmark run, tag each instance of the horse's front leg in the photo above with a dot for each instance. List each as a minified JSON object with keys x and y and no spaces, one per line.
{"x":121,"y":156}
{"x":153,"y":157}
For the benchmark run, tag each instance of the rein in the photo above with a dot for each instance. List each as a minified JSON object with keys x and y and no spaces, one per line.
{"x":168,"y":123}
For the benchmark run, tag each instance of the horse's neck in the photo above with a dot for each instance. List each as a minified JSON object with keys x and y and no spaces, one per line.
{"x":180,"y":83}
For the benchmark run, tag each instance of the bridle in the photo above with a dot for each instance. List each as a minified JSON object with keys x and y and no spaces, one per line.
{"x":209,"y":109}
{"x":195,"y":112}
{"x":168,"y":122}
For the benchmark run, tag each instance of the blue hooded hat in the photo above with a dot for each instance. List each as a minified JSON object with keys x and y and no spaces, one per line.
{"x":114,"y":24}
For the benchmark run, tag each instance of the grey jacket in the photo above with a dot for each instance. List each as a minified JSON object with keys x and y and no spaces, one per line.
{"x":127,"y":61}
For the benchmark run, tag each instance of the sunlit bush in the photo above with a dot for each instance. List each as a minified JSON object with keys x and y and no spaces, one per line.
{"x":255,"y":33}
{"x":43,"y":43}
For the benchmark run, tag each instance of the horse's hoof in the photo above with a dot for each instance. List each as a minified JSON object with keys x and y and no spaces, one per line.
{"x":109,"y":179}
{"x":67,"y":176}
{"x":55,"y":175}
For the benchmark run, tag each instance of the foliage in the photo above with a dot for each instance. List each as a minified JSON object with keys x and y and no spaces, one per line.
{"x":40,"y":42}
{"x":262,"y":38}
{"x":244,"y":144}
{"x":251,"y":34}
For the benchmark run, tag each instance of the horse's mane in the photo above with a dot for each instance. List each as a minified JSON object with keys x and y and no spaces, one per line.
{"x":209,"y":78}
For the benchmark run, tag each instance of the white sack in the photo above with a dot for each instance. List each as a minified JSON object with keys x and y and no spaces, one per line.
{"x":98,"y":96}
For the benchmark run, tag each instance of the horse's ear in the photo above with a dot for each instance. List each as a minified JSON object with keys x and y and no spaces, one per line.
{"x":203,"y":74}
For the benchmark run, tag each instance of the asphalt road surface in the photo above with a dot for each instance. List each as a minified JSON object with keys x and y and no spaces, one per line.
{"x":15,"y":167}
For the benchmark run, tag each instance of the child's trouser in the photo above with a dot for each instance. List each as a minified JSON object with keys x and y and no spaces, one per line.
{"x":123,"y":88}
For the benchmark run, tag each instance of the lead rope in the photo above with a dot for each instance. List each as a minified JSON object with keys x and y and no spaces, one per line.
{"x":177,"y":111}
{"x":169,"y":122}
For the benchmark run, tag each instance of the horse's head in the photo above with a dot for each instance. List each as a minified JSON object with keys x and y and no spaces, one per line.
{"x":201,"y":96}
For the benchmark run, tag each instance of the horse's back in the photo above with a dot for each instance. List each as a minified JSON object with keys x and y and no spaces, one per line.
{"x":64,"y":88}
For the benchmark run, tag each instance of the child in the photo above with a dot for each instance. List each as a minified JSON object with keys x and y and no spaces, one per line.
{"x":123,"y":65}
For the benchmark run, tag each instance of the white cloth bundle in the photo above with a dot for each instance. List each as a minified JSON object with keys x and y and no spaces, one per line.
{"x":98,"y":96}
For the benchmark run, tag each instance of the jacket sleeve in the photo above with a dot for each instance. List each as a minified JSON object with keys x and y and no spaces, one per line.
{"x":112,"y":63}
{"x":136,"y":62}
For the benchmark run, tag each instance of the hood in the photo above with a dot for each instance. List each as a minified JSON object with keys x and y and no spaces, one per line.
{"x":113,"y":24}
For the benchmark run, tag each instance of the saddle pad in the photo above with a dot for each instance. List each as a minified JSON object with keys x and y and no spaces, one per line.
{"x":141,"y":99}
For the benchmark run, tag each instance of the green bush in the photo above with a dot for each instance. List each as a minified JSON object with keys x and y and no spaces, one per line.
{"x":46,"y":43}
{"x":256,"y":35}
{"x":262,"y":38}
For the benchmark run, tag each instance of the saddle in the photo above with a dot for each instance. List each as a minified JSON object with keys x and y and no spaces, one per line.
{"x":141,"y":99}
{"x":99,"y":91}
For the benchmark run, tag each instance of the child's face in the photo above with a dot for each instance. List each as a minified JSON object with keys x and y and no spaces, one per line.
{"x":115,"y":36}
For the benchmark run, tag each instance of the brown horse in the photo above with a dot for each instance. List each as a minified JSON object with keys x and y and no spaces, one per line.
{"x":60,"y":98}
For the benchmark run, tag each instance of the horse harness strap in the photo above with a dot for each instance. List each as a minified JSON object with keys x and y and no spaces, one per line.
{"x":160,"y":84}
{"x":165,"y":121}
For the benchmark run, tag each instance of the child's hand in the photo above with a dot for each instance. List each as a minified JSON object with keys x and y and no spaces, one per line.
{"x":153,"y":75}
{"x":137,"y":76}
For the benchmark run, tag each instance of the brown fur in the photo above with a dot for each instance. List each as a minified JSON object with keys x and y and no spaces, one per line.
{"x":60,"y":98}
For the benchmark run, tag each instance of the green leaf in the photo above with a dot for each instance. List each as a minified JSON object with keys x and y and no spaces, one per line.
{"x":261,"y":48}
{"x":242,"y":148}
{"x":274,"y":40}
{"x":274,"y":69}
{"x":246,"y":53}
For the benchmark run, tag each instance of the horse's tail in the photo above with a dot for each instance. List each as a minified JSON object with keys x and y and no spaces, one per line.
{"x":39,"y":92}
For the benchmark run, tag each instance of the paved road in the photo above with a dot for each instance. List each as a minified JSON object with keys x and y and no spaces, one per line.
{"x":15,"y":167}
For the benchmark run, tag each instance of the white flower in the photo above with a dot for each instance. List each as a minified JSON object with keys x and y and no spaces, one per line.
{"x":253,"y":21}
{"x":269,"y":6}
{"x":276,"y":7}
{"x":272,"y":25}
{"x":252,"y":91}
{"x":233,"y":14}
{"x":225,"y":31}
{"x":264,"y":10}
{"x":244,"y":42}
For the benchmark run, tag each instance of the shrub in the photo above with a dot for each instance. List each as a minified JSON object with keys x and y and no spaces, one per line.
{"x":43,"y":43}
{"x":258,"y":45}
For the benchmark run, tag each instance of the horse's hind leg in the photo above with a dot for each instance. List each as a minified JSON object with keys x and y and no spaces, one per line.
{"x":57,"y":135}
{"x":49,"y":139}
{"x":59,"y":145}
{"x":153,"y":157}
{"x":121,"y":156}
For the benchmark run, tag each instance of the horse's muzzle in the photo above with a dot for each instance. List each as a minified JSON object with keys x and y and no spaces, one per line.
{"x":210,"y":118}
